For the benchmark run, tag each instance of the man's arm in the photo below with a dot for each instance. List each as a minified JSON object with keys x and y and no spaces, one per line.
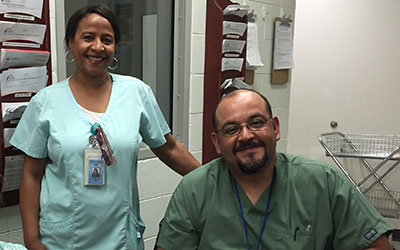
{"x":176,"y":156}
{"x":178,"y":229}
{"x":382,"y":243}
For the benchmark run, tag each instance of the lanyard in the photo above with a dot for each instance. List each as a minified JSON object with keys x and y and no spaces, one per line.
{"x":265,"y":215}
{"x":99,"y":138}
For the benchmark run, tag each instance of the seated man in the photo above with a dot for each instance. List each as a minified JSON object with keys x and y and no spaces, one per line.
{"x":256,"y":198}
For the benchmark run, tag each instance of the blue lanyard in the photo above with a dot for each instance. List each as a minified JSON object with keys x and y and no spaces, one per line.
{"x":265,"y":215}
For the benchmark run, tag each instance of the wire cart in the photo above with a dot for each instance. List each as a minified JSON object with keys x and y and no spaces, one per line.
{"x":385,"y":148}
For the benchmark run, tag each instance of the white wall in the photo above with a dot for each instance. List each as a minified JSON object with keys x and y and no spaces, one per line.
{"x":197,"y":52}
{"x":156,"y":184}
{"x":346,"y":69}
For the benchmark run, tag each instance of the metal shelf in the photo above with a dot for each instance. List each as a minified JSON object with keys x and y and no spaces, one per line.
{"x":362,"y":146}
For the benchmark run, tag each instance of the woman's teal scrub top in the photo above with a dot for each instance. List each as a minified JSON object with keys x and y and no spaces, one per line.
{"x":74,"y":216}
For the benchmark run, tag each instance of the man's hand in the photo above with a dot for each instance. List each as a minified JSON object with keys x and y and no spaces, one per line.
{"x":382,"y":243}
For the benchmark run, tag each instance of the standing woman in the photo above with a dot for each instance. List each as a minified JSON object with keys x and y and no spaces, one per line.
{"x":59,"y":207}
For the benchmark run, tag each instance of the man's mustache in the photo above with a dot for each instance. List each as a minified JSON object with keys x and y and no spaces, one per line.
{"x":248,"y":144}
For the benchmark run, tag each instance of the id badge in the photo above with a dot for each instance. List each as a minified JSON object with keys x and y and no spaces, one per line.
{"x":94,"y":167}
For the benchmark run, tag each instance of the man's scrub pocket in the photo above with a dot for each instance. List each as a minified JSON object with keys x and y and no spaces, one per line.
{"x":295,"y":240}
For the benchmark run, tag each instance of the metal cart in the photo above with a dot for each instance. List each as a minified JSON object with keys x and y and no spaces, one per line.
{"x":385,"y":148}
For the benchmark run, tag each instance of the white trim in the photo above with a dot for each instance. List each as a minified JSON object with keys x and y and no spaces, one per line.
{"x":181,"y":70}
{"x":57,"y":33}
{"x":53,"y":44}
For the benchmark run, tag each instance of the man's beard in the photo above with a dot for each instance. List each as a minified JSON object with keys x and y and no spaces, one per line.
{"x":254,"y":165}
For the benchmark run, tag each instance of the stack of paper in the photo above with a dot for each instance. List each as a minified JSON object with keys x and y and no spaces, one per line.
{"x":17,"y":58}
{"x":32,"y":7}
{"x":236,"y":10}
{"x":7,"y":134}
{"x":12,"y":111}
{"x":22,"y":31}
{"x":234,"y":28}
{"x":25,"y":80}
{"x":12,"y":173}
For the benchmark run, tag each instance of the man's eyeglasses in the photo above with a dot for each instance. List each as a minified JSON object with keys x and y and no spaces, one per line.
{"x":233,"y":129}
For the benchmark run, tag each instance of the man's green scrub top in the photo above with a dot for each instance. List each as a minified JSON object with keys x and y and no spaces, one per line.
{"x":313,"y":206}
{"x":74,"y":216}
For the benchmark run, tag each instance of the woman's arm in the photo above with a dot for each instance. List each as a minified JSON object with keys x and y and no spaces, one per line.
{"x":176,"y":156}
{"x":32,"y":174}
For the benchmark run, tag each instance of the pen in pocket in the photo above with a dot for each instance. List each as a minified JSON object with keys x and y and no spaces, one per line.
{"x":295,"y":233}
{"x":308,"y":228}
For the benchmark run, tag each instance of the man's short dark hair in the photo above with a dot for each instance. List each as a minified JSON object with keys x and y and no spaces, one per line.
{"x":233,"y":93}
{"x":101,"y":10}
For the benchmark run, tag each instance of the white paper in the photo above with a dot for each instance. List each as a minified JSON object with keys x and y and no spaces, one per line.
{"x":230,"y":45}
{"x":253,"y":58}
{"x":283,"y":46}
{"x":19,"y":17}
{"x":236,"y":10}
{"x":12,"y":111}
{"x":232,"y":64}
{"x":233,"y":36}
{"x":7,"y":134}
{"x":32,"y":7}
{"x":16,"y":44}
{"x":231,"y":55}
{"x":17,"y":58}
{"x":235,"y":28}
{"x":228,"y":82}
{"x":12,"y":172}
{"x":22,"y":31}
{"x":31,"y":79}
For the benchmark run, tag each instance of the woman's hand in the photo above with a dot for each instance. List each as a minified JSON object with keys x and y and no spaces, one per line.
{"x":176,"y":156}
{"x":35,"y":245}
